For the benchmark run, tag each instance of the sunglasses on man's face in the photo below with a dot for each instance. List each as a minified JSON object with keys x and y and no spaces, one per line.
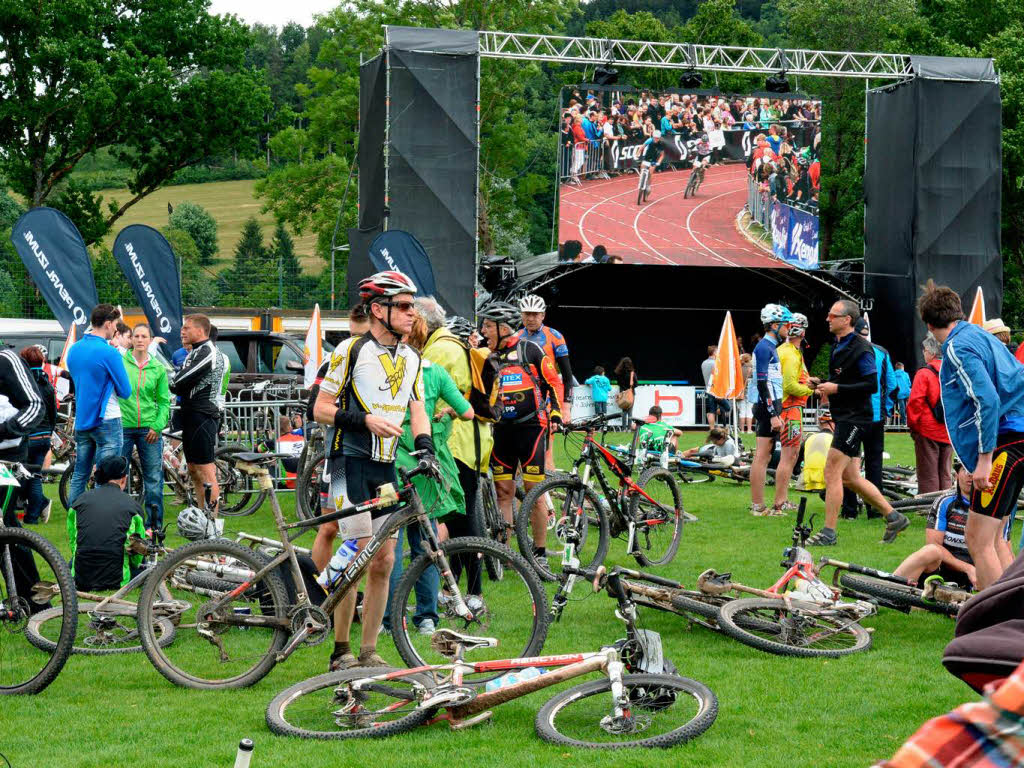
{"x":834,"y":315}
{"x":401,"y":306}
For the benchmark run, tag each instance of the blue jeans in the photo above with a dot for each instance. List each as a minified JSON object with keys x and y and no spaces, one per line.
{"x":600,"y":408}
{"x":32,"y":492}
{"x":151,"y":456}
{"x":427,"y":585}
{"x":91,"y":446}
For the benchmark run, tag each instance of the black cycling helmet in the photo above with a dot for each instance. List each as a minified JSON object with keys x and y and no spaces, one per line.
{"x":460,"y":327}
{"x":500,"y":312}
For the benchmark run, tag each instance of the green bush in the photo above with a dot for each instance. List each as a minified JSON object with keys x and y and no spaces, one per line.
{"x":200,"y":225}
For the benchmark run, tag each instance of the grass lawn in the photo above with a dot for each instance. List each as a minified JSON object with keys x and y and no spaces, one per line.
{"x":230,"y":203}
{"x":773,"y":711}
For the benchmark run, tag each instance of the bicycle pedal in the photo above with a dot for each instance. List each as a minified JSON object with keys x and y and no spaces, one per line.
{"x":469,"y":722}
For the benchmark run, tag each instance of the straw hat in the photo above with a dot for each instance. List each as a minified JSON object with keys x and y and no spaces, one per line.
{"x":996,"y":325}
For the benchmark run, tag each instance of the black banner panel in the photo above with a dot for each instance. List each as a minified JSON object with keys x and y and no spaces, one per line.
{"x":370,"y":156}
{"x":932,"y":191}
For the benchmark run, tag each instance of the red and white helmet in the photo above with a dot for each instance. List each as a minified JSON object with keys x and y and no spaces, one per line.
{"x":385,"y":284}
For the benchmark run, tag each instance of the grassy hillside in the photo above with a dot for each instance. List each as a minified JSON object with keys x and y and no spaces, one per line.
{"x":229,"y":202}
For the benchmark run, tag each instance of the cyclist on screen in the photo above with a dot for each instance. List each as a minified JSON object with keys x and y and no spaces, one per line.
{"x":703,"y":158}
{"x":652,"y":154}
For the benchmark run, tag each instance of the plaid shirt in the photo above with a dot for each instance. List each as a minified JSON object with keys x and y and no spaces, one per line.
{"x":983,"y":734}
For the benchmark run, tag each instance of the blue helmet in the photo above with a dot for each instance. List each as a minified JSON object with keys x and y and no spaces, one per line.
{"x":775,"y":313}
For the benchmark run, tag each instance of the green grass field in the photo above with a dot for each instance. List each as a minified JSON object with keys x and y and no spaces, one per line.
{"x":773,"y":711}
{"x":230,"y":203}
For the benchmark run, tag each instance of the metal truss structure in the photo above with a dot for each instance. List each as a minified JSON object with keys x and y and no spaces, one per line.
{"x":721,"y":58}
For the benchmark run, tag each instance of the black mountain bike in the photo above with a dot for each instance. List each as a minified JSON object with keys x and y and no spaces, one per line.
{"x":249,"y":621}
{"x":30,"y":564}
{"x":647,"y":512}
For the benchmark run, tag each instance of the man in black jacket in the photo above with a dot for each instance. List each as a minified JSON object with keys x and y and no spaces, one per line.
{"x":852,"y":381}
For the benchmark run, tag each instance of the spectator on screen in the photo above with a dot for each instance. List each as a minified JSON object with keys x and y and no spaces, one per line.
{"x":614,"y":260}
{"x":570,"y":250}
{"x":599,"y":256}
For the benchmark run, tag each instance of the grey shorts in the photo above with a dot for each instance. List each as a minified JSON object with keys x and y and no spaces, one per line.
{"x":360,"y":526}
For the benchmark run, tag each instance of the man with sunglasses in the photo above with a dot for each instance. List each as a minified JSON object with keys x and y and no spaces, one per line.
{"x":852,"y":381}
{"x":370,"y":384}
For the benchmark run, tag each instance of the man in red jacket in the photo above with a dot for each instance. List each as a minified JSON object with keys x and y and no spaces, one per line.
{"x":926,"y":422}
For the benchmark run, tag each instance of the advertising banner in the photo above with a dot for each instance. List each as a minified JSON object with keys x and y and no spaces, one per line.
{"x":55,"y":256}
{"x":147,"y":260}
{"x":626,"y":154}
{"x":795,"y":236}
{"x":398,"y":250}
{"x":780,"y":230}
{"x":678,"y":404}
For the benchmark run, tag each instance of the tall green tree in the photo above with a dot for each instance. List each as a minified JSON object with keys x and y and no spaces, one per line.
{"x":201,"y":227}
{"x":160,"y":83}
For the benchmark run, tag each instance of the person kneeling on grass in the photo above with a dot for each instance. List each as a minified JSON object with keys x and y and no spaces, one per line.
{"x":719,"y":445}
{"x":945,"y":552}
{"x":657,"y":435}
{"x":99,"y":524}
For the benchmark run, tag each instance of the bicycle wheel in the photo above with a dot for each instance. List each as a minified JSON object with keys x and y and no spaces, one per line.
{"x":647,"y":191}
{"x":324,"y":707}
{"x":699,"y":608}
{"x":113,"y":630}
{"x":307,"y":488}
{"x":32,"y":561}
{"x":209,"y":653}
{"x":796,"y":629}
{"x":574,"y":507}
{"x":490,"y":525}
{"x":665,"y":710}
{"x":918,"y":503}
{"x":240,"y":493}
{"x":640,"y":188}
{"x":514,"y":611}
{"x":658,"y":519}
{"x":691,"y":186}
{"x":64,"y":486}
{"x":895,"y":595}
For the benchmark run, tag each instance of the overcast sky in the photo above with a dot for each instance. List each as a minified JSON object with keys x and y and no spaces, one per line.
{"x":274,"y":12}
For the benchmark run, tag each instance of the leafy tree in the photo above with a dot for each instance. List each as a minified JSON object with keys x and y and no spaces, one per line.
{"x":252,"y":279}
{"x":111,"y":285}
{"x":295,"y":286}
{"x":201,"y":227}
{"x":199,"y":286}
{"x":160,"y":83}
{"x":10,"y":301}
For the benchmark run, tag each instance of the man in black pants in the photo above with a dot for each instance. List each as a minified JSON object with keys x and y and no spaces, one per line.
{"x":21,"y":408}
{"x":852,"y":379}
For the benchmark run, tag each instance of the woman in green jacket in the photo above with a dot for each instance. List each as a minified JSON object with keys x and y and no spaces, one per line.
{"x":144,"y":416}
{"x":439,"y":498}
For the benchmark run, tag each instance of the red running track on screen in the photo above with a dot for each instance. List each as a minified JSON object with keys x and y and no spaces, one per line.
{"x":667,"y":229}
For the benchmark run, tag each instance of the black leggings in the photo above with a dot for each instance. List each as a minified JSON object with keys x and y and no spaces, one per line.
{"x":465,"y":525}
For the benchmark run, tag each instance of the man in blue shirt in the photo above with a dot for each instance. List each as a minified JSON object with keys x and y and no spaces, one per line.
{"x":98,"y":373}
{"x":768,"y":408}
{"x":983,"y":404}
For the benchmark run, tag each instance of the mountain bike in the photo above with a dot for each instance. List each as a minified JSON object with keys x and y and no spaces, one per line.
{"x":891,"y":591}
{"x":648,"y":707}
{"x":26,"y":559}
{"x":108,"y":624}
{"x":643,"y":189}
{"x":696,"y":178}
{"x":248,"y":622}
{"x":647,"y":512}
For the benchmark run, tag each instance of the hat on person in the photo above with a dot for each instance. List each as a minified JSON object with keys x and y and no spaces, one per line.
{"x":111,"y":468}
{"x":996,"y":325}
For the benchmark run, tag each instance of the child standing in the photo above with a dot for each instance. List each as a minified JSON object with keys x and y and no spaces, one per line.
{"x":600,"y":386}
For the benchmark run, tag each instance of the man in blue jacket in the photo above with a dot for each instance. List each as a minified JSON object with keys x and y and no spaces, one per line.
{"x":983,"y":402}
{"x":903,"y":385}
{"x":98,"y":373}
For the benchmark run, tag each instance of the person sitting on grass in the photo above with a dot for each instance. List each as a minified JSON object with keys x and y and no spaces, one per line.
{"x":99,"y":525}
{"x":719,"y":446}
{"x":945,"y":552}
{"x":657,"y":435}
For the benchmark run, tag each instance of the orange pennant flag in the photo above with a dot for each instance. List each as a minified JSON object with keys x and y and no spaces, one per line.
{"x":67,"y":346}
{"x":727,"y":378}
{"x":977,"y":315}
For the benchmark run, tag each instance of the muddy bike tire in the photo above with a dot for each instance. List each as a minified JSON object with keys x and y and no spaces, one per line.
{"x":645,"y":558}
{"x":738,"y":618}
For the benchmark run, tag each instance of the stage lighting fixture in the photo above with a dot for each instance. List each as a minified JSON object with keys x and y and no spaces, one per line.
{"x":777,"y":83}
{"x":690,"y":79}
{"x":606,"y":75}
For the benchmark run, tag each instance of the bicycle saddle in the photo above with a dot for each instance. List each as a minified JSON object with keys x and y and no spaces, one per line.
{"x":447,"y":641}
{"x":258,"y":458}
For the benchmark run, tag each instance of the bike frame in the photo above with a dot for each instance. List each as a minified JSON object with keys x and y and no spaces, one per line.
{"x":412,"y":510}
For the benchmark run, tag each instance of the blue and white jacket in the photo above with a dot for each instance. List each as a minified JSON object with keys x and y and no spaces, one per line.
{"x":982,"y":391}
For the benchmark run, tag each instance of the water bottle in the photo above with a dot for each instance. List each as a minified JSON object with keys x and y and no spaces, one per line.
{"x":511,"y":678}
{"x":341,"y":559}
{"x":243,"y":757}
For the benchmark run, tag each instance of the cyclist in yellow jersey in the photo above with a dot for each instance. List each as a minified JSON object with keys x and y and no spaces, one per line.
{"x":795,"y":391}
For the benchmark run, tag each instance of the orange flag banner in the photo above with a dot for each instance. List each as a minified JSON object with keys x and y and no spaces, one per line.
{"x":977,"y":315}
{"x":727,"y":379}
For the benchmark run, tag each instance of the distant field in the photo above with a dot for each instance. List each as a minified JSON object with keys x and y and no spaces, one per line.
{"x":229,"y":202}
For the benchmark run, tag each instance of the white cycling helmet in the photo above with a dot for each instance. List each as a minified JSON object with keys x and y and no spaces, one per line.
{"x":775,"y":313}
{"x":195,"y":525}
{"x":656,"y":135}
{"x":531,"y":302}
{"x":798,"y":325}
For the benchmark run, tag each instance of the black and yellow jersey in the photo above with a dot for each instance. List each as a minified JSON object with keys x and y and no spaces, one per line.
{"x":379,"y":381}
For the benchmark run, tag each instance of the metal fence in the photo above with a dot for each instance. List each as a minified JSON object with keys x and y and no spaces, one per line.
{"x":583,"y":160}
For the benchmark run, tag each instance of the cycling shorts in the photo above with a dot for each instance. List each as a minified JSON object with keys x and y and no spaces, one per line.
{"x":848,"y":438}
{"x":519,"y":445}
{"x":763,"y":422}
{"x":199,"y":436}
{"x":359,"y":481}
{"x":1005,"y":480}
{"x":792,"y":426}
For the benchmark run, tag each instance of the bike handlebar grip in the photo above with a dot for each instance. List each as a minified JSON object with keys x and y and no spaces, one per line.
{"x":800,"y":510}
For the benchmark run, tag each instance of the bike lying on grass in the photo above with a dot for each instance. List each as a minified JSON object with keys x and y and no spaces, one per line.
{"x":648,"y":512}
{"x":249,"y":622}
{"x":650,"y":707}
{"x":26,"y":558}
